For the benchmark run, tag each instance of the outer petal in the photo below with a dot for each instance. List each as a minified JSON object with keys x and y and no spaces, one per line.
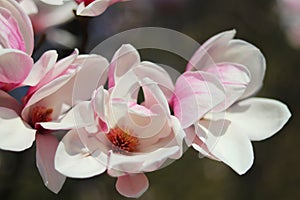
{"x":124,"y":59}
{"x":45,"y":151}
{"x":73,"y":159}
{"x":15,"y":134}
{"x":41,"y":68}
{"x":234,"y":78}
{"x":158,"y":75}
{"x":227,"y":143}
{"x":207,"y":53}
{"x":92,"y":74}
{"x":259,"y":118}
{"x":242,"y":52}
{"x":223,"y":48}
{"x":10,"y":36}
{"x":11,"y":61}
{"x":196,"y":93}
{"x":132,"y":185}
{"x":24,"y":23}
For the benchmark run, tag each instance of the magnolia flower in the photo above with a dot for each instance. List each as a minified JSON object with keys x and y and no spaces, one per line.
{"x":49,"y":97}
{"x":16,"y":45}
{"x":115,"y":133}
{"x":224,"y":133}
{"x":87,"y":7}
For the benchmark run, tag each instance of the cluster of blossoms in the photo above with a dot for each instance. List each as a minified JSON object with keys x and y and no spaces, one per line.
{"x":86,"y":116}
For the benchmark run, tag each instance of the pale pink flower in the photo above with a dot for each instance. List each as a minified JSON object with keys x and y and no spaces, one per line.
{"x":16,"y":45}
{"x":225,"y":132}
{"x":117,"y":134}
{"x":50,"y":96}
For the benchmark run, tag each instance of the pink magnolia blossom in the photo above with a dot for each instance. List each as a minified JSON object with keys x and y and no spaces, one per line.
{"x":16,"y":29}
{"x":49,"y":97}
{"x":115,"y":133}
{"x":225,"y":132}
{"x":16,"y":45}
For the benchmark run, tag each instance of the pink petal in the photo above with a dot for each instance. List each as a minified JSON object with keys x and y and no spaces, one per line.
{"x":46,"y":145}
{"x":234,"y":78}
{"x":10,"y":36}
{"x":41,"y":68}
{"x":132,"y":185}
{"x":11,"y":61}
{"x":196,"y":93}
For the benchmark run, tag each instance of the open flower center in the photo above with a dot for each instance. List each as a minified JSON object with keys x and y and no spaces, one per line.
{"x":40,"y":114}
{"x":122,"y":141}
{"x":86,"y":2}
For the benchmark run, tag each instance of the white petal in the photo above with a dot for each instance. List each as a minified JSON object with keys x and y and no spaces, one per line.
{"x":208,"y":52}
{"x":46,"y":145}
{"x":73,"y":159}
{"x":244,"y":53}
{"x":15,"y":134}
{"x":158,"y":75}
{"x":123,"y":60}
{"x":79,"y":116}
{"x":259,"y":118}
{"x":92,"y":74}
{"x":93,"y":9}
{"x":228,"y":143}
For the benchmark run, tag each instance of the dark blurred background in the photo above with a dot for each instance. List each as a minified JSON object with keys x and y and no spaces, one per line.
{"x":275,"y":173}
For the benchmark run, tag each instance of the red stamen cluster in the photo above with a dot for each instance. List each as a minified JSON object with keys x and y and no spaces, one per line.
{"x":40,"y":114}
{"x":122,"y":141}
